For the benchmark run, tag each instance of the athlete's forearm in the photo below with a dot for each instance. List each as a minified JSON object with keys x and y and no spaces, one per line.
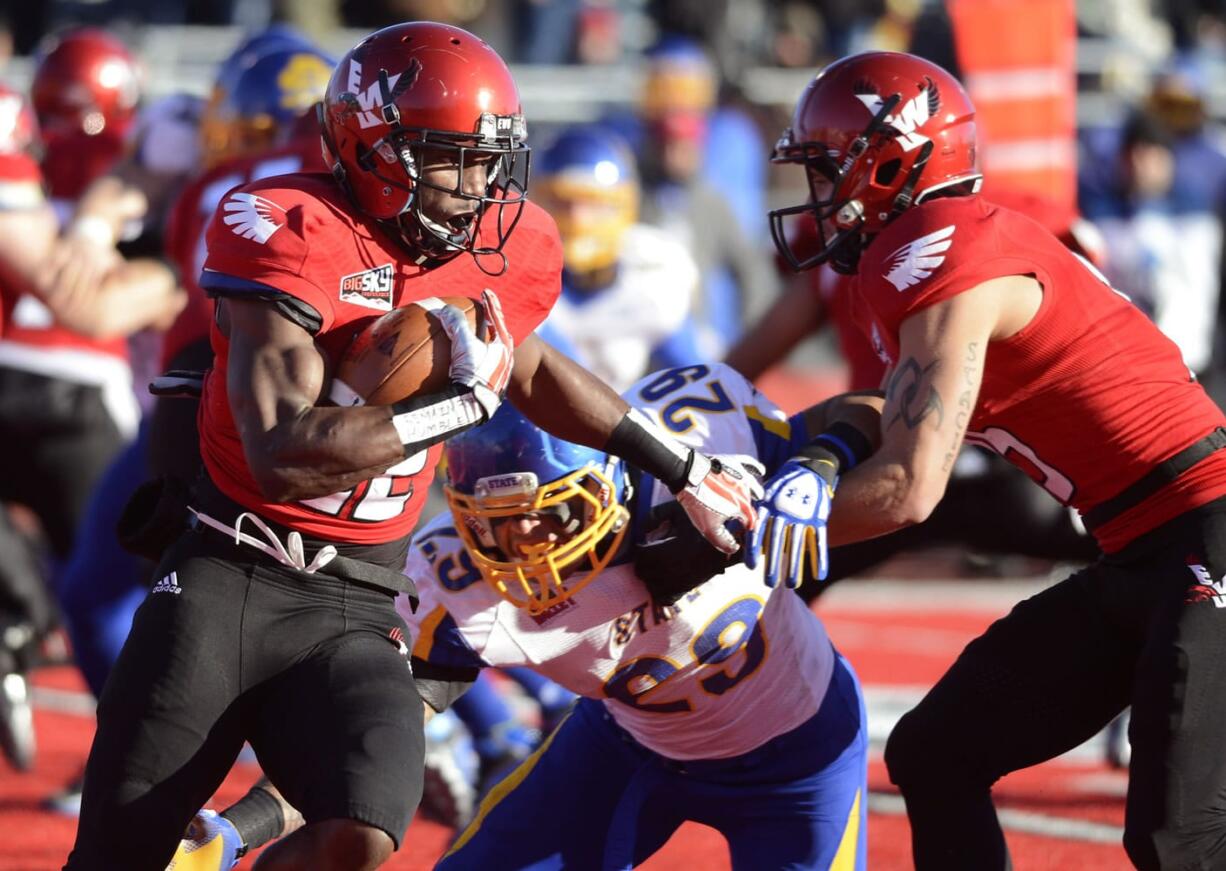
{"x":315,"y":451}
{"x":861,"y":409}
{"x":136,"y":295}
{"x":873,"y":499}
{"x":559,"y":395}
{"x":793,"y":316}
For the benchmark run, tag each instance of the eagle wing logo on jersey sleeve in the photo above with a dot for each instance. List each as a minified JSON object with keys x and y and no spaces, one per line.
{"x":915,"y":261}
{"x":250,"y":216}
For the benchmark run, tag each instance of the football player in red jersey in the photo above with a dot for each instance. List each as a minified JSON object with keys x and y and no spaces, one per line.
{"x":273,"y":620}
{"x":1024,"y":520}
{"x":65,"y":305}
{"x":1000,"y":336}
{"x":271,"y":130}
{"x":69,"y":303}
{"x":85,"y":91}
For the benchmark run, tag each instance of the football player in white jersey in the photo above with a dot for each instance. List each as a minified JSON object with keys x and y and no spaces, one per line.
{"x":705,"y":695}
{"x":722,"y":702}
{"x":628,"y":289}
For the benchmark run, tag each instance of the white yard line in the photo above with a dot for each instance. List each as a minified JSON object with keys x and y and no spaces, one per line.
{"x":63,"y":701}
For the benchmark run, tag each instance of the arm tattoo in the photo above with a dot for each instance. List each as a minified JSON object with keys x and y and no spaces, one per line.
{"x":965,"y":404}
{"x":917,"y":398}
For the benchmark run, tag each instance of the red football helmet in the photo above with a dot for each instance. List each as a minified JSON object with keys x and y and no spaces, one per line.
{"x":876,"y":133}
{"x":87,"y":83}
{"x":424,"y":86}
{"x":18,"y":129}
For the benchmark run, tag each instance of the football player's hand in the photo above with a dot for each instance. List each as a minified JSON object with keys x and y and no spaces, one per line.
{"x":673,"y":558}
{"x":74,"y":270}
{"x":211,"y":843}
{"x":791,"y":523}
{"x":720,"y":489}
{"x":483,"y":365}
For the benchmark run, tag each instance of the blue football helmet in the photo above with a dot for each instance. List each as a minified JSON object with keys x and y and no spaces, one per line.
{"x":267,"y":99}
{"x":588,"y":182}
{"x":680,"y":77}
{"x":508,"y":470}
{"x":217,"y":134}
{"x":272,"y":38}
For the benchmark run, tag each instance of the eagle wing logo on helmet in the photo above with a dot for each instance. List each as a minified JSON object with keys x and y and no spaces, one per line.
{"x":250,"y":216}
{"x":366,"y":103}
{"x":915,"y":261}
{"x":913,"y":115}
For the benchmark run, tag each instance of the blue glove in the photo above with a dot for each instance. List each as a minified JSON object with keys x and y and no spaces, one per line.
{"x":211,"y":843}
{"x":791,"y":522}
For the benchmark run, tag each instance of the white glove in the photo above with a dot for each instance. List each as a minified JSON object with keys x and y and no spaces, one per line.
{"x":484,"y":366}
{"x":719,"y":489}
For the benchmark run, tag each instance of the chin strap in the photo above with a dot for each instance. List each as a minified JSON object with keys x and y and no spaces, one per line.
{"x":905,"y":197}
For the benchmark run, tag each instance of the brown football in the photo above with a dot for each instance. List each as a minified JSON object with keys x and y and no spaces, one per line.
{"x":403,"y":353}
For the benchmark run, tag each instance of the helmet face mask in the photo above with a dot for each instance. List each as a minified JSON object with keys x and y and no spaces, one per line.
{"x":573,"y":529}
{"x":587,"y":180}
{"x":418,"y":96}
{"x":540,"y":518}
{"x":876,"y":134}
{"x":453,"y":186}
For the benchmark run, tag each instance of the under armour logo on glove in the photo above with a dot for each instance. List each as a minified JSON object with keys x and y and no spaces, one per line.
{"x":482,"y":365}
{"x":791,"y":523}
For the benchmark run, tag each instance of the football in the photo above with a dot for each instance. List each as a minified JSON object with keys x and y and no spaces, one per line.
{"x":403,"y":353}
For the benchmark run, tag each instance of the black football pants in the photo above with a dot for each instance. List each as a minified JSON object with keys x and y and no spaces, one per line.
{"x":229,"y":646}
{"x":1146,"y":627}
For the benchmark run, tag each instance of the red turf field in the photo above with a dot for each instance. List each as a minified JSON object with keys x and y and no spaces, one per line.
{"x":1062,"y":816}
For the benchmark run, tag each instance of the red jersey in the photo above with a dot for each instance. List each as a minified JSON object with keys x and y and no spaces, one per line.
{"x":298,"y":237}
{"x":865,"y":368}
{"x":1087,"y":397}
{"x":184,"y":238}
{"x":32,"y":340}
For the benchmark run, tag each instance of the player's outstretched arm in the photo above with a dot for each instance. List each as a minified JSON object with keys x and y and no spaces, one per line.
{"x":559,"y":395}
{"x":793,"y":513}
{"x":930,"y":397}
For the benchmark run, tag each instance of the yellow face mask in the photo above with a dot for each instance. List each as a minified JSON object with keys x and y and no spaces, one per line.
{"x":584,"y":522}
{"x":592,"y":220}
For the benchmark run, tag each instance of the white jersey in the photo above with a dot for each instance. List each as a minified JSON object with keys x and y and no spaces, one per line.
{"x":729,"y":667}
{"x":614,"y":331}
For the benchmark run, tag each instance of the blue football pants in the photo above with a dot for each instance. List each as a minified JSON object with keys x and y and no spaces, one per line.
{"x":593,"y":798}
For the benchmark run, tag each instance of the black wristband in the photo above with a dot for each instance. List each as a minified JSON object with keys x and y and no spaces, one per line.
{"x":851,"y":446}
{"x":823,"y":462}
{"x":641,"y":447}
{"x":257,"y":817}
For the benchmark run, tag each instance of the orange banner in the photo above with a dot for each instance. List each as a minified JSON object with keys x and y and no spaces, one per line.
{"x":1018,"y":64}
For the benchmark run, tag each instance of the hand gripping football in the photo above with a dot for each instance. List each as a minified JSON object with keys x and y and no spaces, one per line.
{"x":401,"y":354}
